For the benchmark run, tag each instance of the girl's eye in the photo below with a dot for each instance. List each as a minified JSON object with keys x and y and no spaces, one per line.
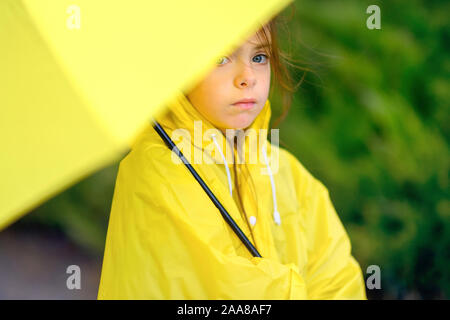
{"x":220,"y":60}
{"x":259,"y":60}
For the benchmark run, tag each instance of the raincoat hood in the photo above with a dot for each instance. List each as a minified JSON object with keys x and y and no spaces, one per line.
{"x":167,"y":240}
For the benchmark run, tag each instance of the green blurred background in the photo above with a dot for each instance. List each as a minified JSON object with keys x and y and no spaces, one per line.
{"x":371,"y":122}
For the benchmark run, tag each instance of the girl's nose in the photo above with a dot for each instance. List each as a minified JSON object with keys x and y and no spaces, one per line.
{"x":245,"y":77}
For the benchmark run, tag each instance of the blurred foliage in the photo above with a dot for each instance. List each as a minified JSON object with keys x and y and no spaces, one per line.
{"x":371,"y":122}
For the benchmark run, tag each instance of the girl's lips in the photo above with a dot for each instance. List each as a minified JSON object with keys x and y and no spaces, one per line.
{"x":244,"y":105}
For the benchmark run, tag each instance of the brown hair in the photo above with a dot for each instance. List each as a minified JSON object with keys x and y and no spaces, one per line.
{"x":279,"y":62}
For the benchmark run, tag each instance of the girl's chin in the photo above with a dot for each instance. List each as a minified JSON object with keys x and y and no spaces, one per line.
{"x":239,"y":125}
{"x":236,"y":122}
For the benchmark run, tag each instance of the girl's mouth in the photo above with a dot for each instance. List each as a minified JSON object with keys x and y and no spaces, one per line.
{"x":244,"y":105}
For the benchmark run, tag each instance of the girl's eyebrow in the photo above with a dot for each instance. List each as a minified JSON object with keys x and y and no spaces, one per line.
{"x":265,"y":45}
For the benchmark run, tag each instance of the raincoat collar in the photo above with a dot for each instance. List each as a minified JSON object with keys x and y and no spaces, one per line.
{"x":181,"y":114}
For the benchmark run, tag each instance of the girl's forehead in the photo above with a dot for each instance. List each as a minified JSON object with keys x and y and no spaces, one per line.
{"x":256,"y":42}
{"x":259,"y":37}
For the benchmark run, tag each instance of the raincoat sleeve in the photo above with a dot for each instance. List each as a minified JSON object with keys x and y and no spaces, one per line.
{"x":154,"y":249}
{"x":331,"y":270}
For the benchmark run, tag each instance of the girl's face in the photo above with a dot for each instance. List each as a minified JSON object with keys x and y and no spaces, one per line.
{"x":243,"y":75}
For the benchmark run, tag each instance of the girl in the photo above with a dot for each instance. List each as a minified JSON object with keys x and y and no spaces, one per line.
{"x":167,"y":240}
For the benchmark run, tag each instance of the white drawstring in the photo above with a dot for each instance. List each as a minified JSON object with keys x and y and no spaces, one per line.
{"x":230,"y":185}
{"x":276,"y":214}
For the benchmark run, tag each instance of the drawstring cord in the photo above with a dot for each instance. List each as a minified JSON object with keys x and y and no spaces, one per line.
{"x":276,"y":214}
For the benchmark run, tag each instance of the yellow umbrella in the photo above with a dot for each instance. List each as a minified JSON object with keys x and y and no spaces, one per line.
{"x":79,"y":79}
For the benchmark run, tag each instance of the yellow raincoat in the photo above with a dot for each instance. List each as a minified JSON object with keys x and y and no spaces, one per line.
{"x":167,"y":240}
